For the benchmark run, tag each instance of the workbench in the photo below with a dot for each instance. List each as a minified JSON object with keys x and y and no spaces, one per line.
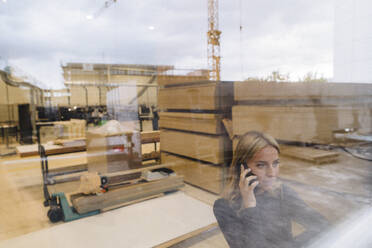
{"x":31,"y":150}
{"x":52,"y":149}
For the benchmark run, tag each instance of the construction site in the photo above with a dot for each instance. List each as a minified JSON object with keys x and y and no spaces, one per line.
{"x":139,"y":155}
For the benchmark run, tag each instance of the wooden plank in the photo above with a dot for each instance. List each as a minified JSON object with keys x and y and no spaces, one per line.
{"x":113,"y":177}
{"x":195,"y":122}
{"x":304,"y":124}
{"x":69,"y":142}
{"x":126,"y":194}
{"x":131,"y":202}
{"x":150,"y":155}
{"x":187,"y":236}
{"x":150,"y":137}
{"x":32,"y":150}
{"x":203,"y":116}
{"x":211,"y":96}
{"x":66,"y":169}
{"x":309,"y":154}
{"x":73,"y":145}
{"x":247,"y":91}
{"x":167,"y":80}
{"x":205,"y":176}
{"x":206,"y":148}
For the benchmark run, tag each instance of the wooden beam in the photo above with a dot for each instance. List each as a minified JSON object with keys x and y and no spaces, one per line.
{"x":150,"y":137}
{"x":186,"y":236}
{"x":125,"y":194}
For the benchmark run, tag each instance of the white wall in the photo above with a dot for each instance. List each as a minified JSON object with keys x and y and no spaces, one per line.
{"x":353,"y":41}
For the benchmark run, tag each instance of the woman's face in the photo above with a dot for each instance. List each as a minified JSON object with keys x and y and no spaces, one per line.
{"x":265,"y":165}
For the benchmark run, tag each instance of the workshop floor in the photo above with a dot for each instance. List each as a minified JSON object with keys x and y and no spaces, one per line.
{"x":21,"y":205}
{"x":336,"y":190}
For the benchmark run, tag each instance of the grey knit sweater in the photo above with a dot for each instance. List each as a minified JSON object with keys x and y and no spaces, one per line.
{"x":268,"y":225}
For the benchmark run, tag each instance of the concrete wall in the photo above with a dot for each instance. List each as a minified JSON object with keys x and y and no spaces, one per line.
{"x":78,"y":96}
{"x":9,"y":110}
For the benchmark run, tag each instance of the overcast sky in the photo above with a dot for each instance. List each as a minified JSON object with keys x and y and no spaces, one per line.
{"x":293,"y":36}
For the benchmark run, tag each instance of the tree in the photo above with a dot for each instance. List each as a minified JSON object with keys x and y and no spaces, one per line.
{"x":277,"y":76}
{"x":313,"y":78}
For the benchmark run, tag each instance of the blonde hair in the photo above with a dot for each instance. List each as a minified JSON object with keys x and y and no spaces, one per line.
{"x":249,"y":144}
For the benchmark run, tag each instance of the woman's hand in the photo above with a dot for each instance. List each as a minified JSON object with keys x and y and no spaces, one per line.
{"x":246,"y":190}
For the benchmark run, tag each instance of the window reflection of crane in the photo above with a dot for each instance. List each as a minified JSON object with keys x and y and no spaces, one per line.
{"x":214,"y":58}
{"x":107,"y":4}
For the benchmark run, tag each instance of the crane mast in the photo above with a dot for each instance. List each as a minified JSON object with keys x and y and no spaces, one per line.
{"x":213,"y":41}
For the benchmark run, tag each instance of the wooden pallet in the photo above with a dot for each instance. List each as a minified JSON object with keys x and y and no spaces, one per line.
{"x":309,"y":154}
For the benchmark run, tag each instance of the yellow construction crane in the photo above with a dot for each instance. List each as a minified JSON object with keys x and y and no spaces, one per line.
{"x":214,"y":58}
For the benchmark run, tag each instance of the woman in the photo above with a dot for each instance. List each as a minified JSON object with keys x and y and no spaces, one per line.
{"x":256,"y":209}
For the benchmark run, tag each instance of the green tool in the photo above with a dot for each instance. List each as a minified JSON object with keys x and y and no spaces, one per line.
{"x":61,"y":210}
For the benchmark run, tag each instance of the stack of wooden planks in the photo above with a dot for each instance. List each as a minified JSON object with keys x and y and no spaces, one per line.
{"x":302,"y":112}
{"x":72,"y":129}
{"x":192,"y":134}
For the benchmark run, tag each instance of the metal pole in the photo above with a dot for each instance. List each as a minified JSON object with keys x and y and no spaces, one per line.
{"x":100,"y":97}
{"x":33,"y":109}
{"x":68,"y":97}
{"x":86,"y":95}
{"x":7,"y":101}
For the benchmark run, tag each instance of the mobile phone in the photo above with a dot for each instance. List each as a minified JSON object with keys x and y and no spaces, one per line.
{"x":249,"y":174}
